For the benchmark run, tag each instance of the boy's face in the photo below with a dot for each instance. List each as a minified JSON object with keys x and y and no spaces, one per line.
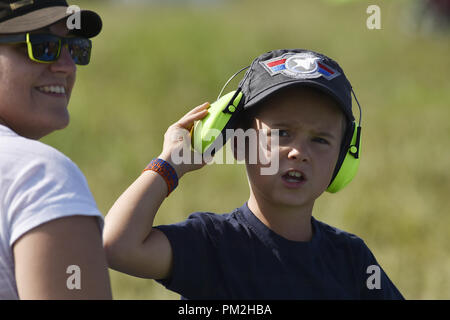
{"x":310,"y":128}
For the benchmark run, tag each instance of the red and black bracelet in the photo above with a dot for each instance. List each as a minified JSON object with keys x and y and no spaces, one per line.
{"x":166,"y":171}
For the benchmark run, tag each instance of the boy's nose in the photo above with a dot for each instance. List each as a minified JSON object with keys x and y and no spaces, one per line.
{"x":298,"y":153}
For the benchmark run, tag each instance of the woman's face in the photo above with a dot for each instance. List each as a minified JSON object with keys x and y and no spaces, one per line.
{"x":34,"y":96}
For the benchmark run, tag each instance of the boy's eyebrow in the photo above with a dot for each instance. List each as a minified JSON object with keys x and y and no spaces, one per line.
{"x":325,"y":134}
{"x":319,"y":133}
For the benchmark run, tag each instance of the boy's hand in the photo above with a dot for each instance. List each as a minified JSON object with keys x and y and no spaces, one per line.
{"x":177,"y":140}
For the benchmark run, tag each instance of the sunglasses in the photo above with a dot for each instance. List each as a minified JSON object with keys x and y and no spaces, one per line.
{"x":46,"y":48}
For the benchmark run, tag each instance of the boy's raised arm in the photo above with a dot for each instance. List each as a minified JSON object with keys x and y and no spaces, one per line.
{"x":132,"y":244}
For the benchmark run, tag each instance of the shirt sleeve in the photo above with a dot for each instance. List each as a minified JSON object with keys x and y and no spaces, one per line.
{"x":193,"y":247}
{"x":45,"y":187}
{"x":374,"y":284}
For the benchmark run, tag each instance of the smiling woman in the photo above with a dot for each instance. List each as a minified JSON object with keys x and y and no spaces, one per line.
{"x":49,"y":221}
{"x":40,"y":92}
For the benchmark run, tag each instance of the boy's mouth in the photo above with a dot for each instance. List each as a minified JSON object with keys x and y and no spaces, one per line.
{"x":294,"y":178}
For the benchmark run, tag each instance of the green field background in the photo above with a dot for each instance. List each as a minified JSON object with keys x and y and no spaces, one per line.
{"x":152,"y":63}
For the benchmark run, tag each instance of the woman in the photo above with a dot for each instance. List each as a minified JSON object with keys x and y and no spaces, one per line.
{"x":50,"y":226}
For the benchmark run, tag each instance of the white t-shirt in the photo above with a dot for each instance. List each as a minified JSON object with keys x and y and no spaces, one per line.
{"x":37,"y":184}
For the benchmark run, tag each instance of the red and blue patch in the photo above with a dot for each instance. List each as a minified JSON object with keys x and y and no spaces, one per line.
{"x":277,"y":65}
{"x":300,"y":66}
{"x":325,"y":70}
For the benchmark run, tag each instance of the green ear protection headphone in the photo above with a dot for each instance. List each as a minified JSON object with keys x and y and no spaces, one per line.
{"x":348,"y":161}
{"x":208,"y":135}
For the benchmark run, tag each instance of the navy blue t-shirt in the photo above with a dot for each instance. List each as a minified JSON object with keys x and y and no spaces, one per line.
{"x":235,"y":256}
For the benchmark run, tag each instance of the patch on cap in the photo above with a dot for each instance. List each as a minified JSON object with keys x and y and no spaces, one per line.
{"x":303,"y":65}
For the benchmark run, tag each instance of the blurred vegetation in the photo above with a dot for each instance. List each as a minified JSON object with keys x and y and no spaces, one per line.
{"x":153,"y":62}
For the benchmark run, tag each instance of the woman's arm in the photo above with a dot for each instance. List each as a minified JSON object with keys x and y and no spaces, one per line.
{"x":43,"y":255}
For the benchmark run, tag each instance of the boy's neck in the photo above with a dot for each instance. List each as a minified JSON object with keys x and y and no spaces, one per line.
{"x":292,"y":223}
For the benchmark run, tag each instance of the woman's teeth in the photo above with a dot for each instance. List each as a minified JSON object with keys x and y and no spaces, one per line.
{"x":52,"y":89}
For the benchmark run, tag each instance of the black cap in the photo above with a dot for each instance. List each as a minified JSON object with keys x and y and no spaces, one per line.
{"x":17,"y":16}
{"x":279,"y":69}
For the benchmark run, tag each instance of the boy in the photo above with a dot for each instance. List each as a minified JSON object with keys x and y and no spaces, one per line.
{"x":271,"y":247}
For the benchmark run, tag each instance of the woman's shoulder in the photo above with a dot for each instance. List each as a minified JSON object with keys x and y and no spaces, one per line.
{"x":18,"y":151}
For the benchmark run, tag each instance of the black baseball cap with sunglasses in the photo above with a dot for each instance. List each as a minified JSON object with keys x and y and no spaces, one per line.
{"x":19,"y":18}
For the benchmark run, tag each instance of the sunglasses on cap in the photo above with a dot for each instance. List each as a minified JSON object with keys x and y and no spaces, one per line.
{"x":46,"y":48}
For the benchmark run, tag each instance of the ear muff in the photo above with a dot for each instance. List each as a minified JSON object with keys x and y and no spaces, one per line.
{"x":209,"y":133}
{"x":350,"y":165}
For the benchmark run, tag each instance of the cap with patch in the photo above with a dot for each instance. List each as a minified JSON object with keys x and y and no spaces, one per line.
{"x":18,"y":16}
{"x":279,"y":69}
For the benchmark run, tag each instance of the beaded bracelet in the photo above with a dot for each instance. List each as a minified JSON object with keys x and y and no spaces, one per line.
{"x":166,"y":171}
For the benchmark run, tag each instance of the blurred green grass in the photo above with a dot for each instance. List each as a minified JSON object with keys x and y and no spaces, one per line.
{"x":153,"y":63}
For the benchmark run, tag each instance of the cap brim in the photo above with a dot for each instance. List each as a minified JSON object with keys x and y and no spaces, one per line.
{"x":91,"y":23}
{"x":304,"y":82}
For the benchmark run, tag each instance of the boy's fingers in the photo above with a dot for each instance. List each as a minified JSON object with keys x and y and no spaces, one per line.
{"x":198,"y":108}
{"x":188,"y":120}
